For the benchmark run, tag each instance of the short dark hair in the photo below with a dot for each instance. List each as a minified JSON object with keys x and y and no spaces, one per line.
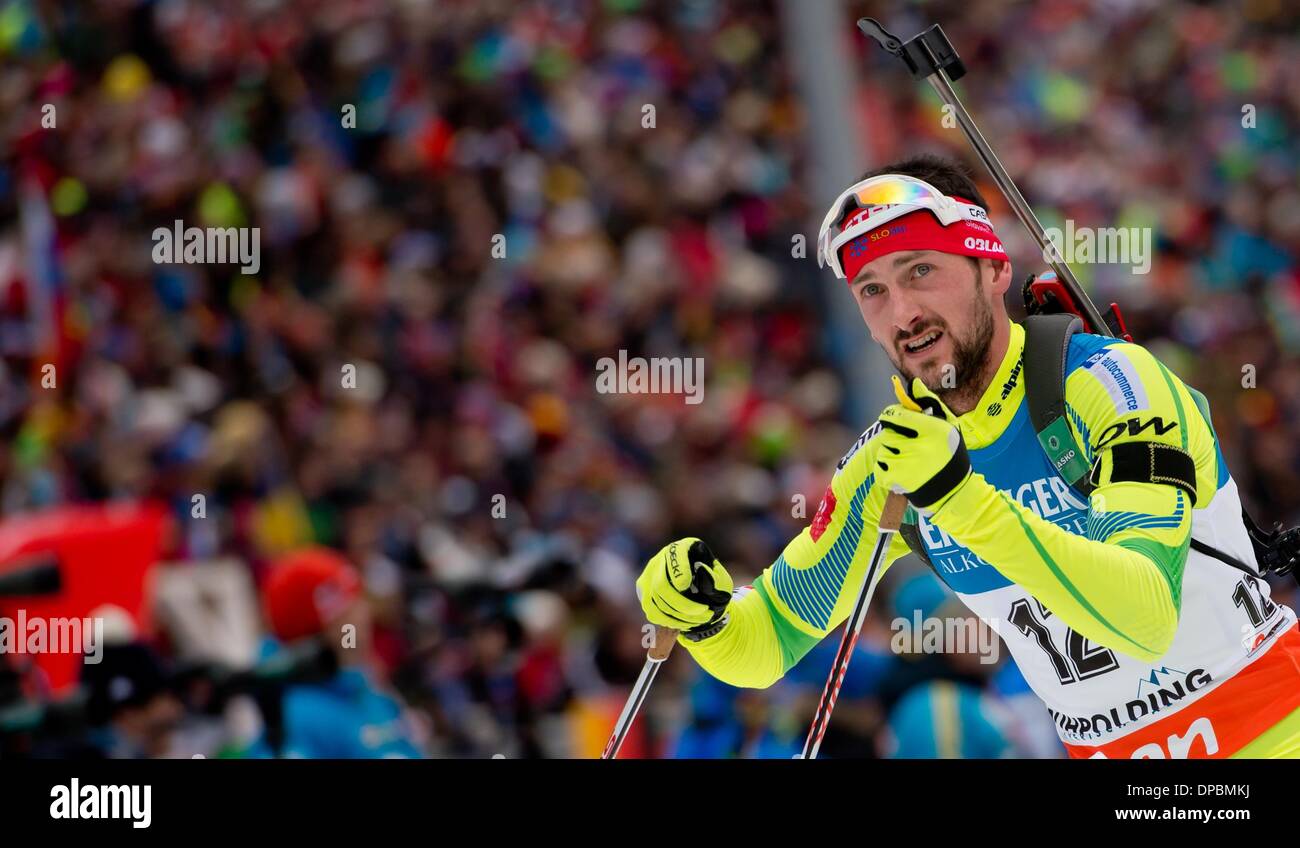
{"x":950,"y":176}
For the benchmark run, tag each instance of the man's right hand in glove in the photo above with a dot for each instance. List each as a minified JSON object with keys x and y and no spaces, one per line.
{"x":684,"y":587}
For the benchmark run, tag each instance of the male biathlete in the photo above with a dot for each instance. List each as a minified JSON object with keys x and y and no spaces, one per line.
{"x":1139,"y":645}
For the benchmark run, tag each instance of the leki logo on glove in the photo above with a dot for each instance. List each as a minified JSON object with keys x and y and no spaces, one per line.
{"x":674,"y":567}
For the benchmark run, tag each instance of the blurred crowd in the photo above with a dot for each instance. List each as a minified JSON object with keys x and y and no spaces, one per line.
{"x":462,"y":208}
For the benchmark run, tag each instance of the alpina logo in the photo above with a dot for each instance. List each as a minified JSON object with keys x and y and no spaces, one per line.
{"x":1011,"y":381}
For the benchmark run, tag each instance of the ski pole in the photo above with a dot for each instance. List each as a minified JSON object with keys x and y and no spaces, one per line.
{"x":660,"y":648}
{"x":891,"y":517}
{"x":931,"y":56}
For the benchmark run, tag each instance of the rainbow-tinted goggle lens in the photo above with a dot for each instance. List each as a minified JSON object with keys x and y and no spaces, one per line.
{"x":884,"y":198}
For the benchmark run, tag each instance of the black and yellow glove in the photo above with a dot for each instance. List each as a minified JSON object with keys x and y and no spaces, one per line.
{"x":921,"y":455}
{"x":685,"y":587}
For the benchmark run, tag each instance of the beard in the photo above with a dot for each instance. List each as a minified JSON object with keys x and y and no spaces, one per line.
{"x":969,"y":354}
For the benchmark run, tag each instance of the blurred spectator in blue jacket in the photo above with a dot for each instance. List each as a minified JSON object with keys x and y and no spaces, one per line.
{"x":315,"y":594}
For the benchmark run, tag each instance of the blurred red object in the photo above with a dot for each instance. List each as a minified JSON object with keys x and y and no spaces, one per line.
{"x":104,"y":554}
{"x":305,"y":589}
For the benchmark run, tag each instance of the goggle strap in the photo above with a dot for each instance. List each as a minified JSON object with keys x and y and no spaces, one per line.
{"x":826,"y":252}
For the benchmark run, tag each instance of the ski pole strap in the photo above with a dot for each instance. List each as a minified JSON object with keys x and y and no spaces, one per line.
{"x":911,"y":533}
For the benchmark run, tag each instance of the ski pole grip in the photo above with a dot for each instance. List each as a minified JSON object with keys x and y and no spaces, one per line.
{"x":891,"y":515}
{"x":665,"y":638}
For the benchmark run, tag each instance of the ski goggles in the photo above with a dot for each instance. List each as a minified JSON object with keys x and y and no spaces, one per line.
{"x":858,"y":220}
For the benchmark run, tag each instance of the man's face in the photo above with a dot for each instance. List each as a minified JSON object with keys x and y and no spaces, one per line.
{"x":931,"y":312}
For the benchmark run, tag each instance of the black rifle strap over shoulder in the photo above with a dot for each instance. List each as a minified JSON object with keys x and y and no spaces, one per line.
{"x":1047,"y":341}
